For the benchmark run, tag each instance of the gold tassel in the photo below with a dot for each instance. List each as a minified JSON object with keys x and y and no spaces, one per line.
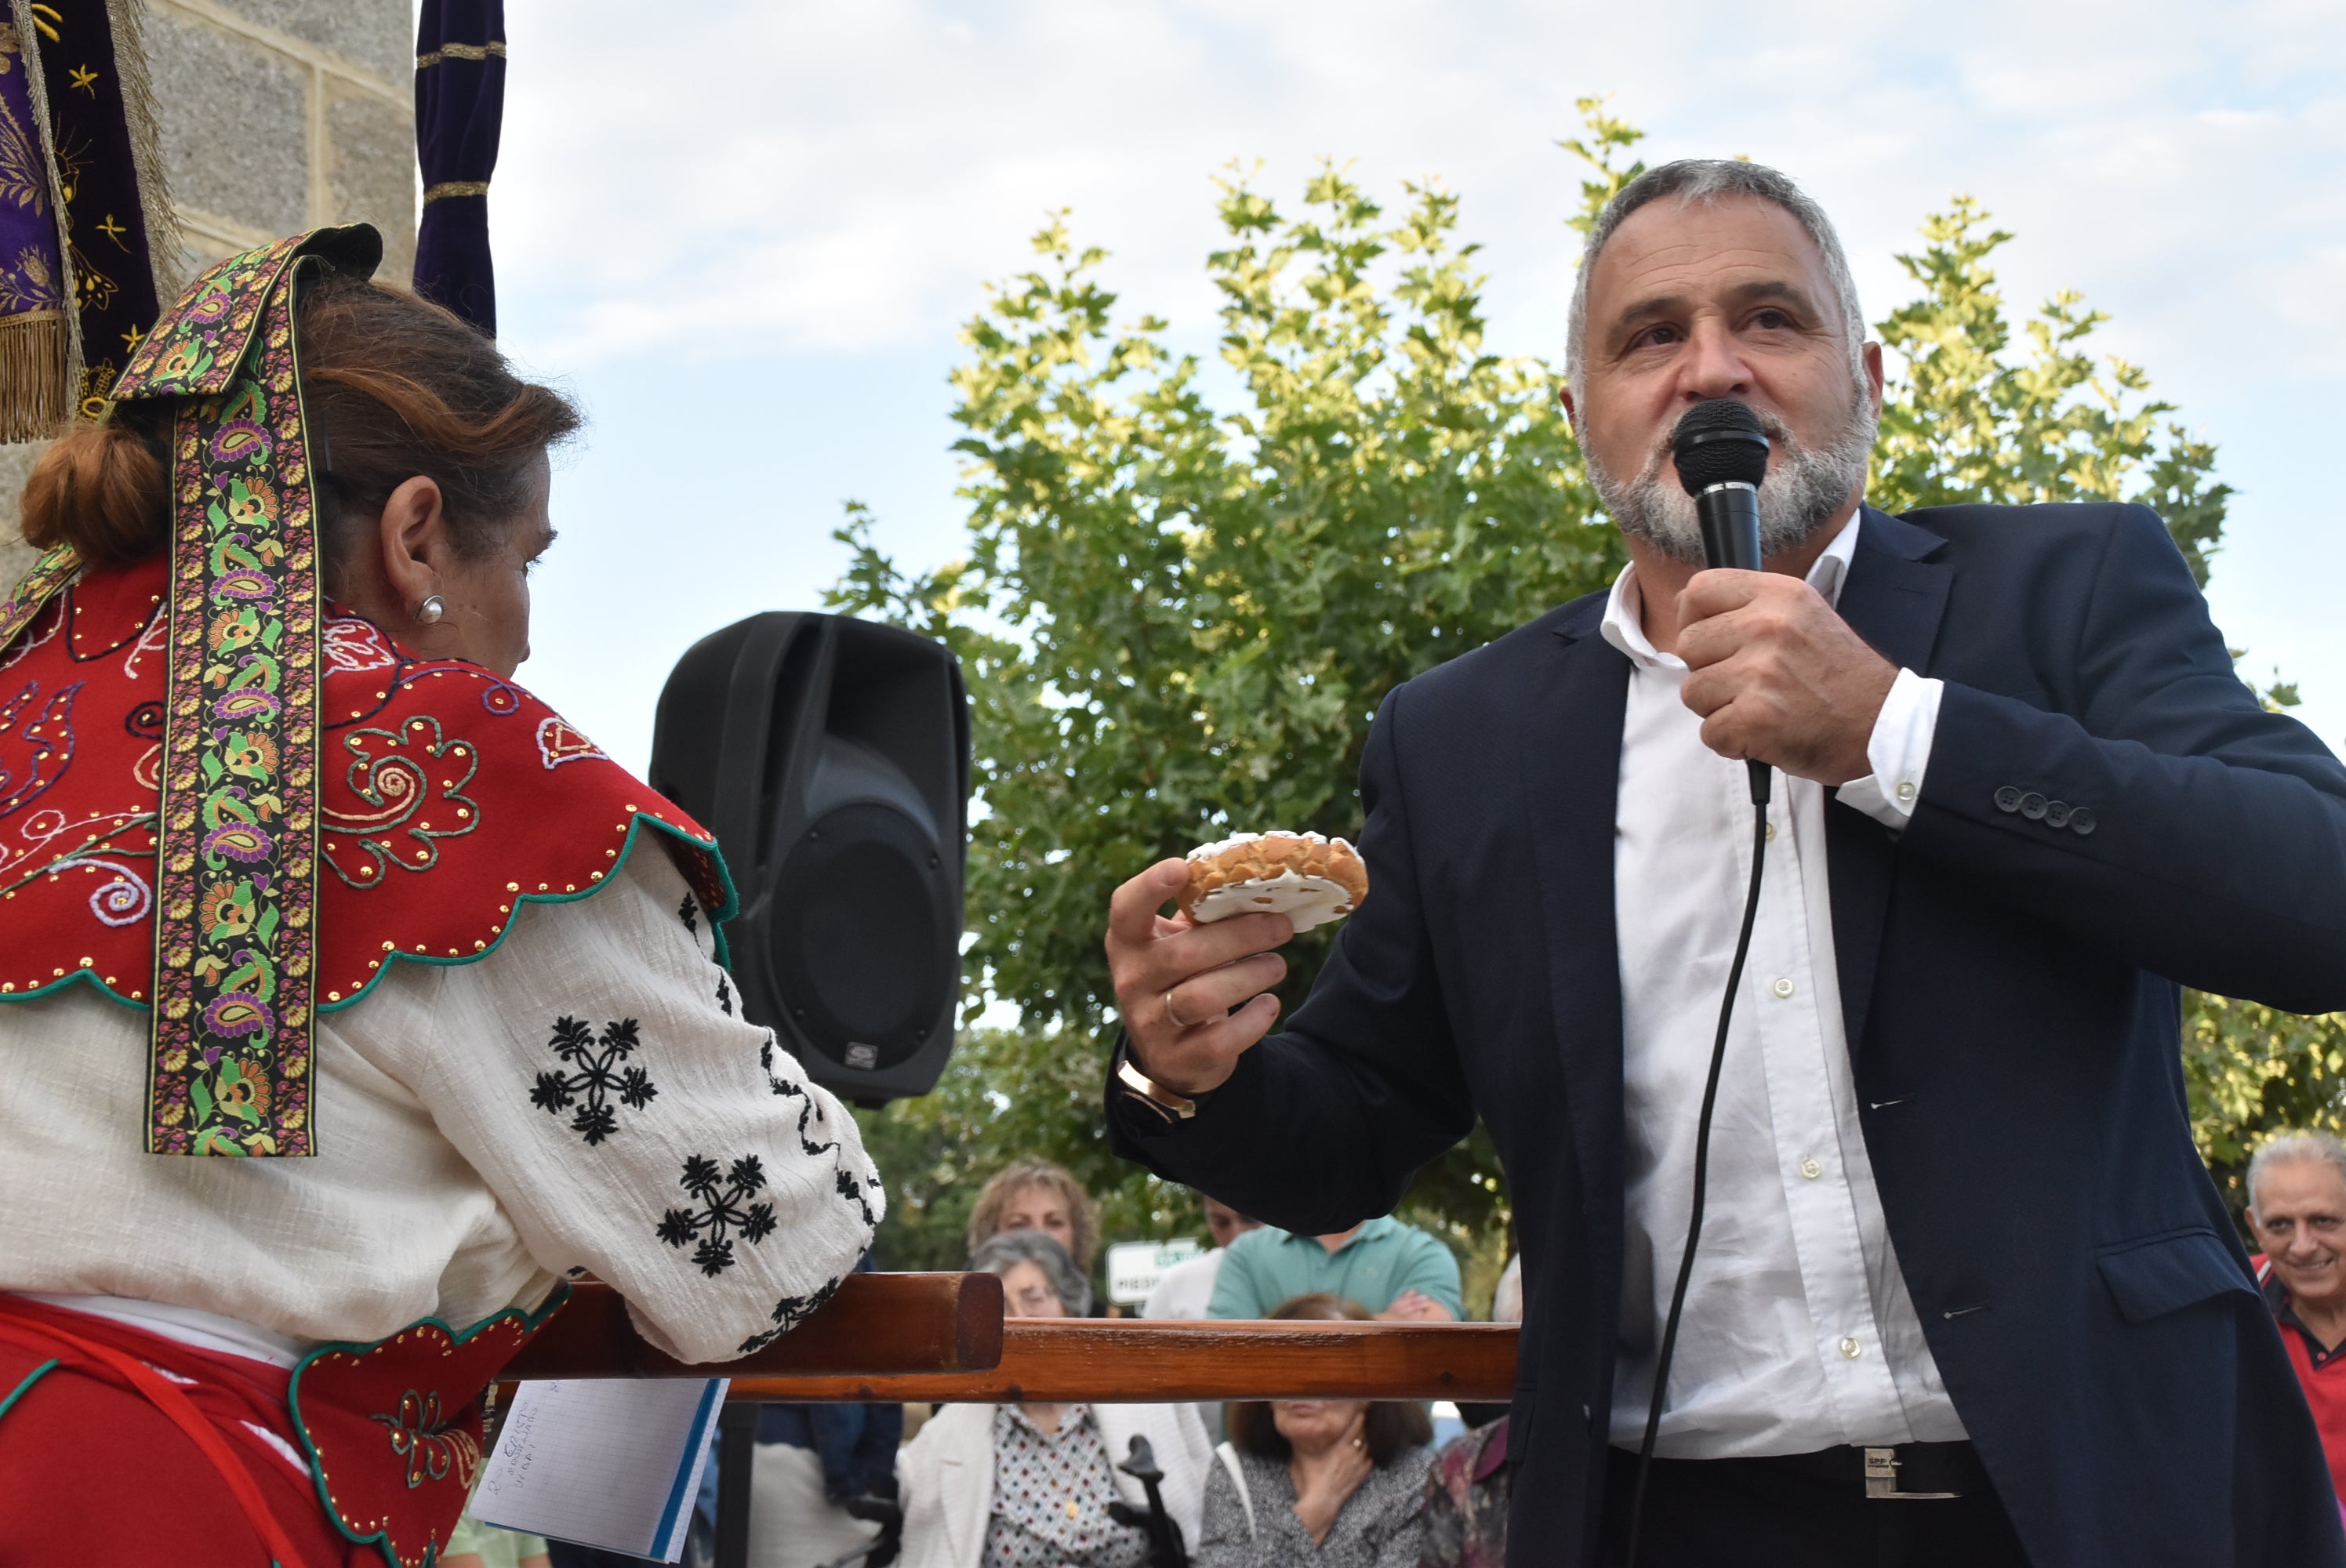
{"x":35,"y":393}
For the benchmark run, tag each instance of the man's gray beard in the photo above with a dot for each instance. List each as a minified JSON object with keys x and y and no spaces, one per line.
{"x":1802,"y":492}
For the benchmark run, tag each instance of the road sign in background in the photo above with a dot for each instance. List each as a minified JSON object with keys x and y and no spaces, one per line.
{"x":1134,"y":1268}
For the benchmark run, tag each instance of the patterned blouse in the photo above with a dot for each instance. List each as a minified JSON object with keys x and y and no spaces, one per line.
{"x":1376,"y":1528}
{"x":1051,"y":1494}
{"x":587,"y":1094}
{"x":1465,"y":1518}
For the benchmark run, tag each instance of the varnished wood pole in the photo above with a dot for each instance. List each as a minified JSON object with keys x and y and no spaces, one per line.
{"x":875,"y":1325}
{"x":1114,"y":1361}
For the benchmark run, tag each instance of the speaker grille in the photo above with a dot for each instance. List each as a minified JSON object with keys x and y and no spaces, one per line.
{"x":858,"y":925}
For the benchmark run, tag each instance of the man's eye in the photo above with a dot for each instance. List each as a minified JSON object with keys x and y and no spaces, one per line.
{"x":1772,"y":320}
{"x":1655,"y":336}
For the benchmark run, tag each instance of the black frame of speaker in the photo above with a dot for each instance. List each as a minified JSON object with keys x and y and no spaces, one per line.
{"x":785,"y":727}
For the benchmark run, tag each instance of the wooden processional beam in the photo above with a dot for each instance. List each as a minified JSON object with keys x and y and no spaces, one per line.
{"x":941,"y":1338}
{"x":874,"y":1325}
{"x":1060,"y":1360}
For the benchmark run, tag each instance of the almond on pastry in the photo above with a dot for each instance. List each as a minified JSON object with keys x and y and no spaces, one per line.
{"x":1308,"y":877}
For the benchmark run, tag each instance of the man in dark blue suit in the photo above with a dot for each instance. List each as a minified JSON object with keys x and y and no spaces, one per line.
{"x":1965,"y":1294}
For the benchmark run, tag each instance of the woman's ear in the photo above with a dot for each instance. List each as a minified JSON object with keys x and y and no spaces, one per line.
{"x":415,"y":542}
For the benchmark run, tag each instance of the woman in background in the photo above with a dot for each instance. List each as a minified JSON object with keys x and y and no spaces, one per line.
{"x":1333,"y":1482}
{"x":1036,"y":1195}
{"x":1028,"y":1486}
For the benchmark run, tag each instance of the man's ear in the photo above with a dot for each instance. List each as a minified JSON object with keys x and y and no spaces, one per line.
{"x":1571,"y":409}
{"x":1872,"y":352}
{"x":414,"y":537}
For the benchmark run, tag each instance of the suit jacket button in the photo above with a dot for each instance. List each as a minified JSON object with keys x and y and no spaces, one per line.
{"x":2081,"y":821}
{"x":2031,"y":805}
{"x":2057,"y":814}
{"x":2008,"y":798}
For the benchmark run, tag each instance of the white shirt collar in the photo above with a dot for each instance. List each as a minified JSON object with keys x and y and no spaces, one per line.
{"x":1625,"y":630}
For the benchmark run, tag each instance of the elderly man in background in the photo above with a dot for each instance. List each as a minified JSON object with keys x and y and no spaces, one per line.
{"x":1965,"y":1297}
{"x":2297,"y":1207}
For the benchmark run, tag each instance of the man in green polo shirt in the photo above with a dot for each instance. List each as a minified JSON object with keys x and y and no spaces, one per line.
{"x":1397,"y":1271}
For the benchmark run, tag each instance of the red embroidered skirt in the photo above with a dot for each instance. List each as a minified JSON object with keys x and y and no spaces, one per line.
{"x":98,"y":1463}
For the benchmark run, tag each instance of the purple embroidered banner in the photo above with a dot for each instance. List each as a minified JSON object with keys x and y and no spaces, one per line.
{"x":35,"y":341}
{"x":460,"y":105}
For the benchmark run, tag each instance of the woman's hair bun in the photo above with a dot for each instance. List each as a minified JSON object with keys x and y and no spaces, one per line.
{"x":101,"y":489}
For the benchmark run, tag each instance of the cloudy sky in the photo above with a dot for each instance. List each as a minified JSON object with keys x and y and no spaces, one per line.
{"x":744,"y":235}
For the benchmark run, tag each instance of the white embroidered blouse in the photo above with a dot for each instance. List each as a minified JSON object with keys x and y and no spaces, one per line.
{"x":587,"y":1097}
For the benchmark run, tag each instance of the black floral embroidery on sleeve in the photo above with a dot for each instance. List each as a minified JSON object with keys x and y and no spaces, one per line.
{"x":685,"y":912}
{"x":853,"y":1191}
{"x":790,"y":1091}
{"x":788,"y":1314}
{"x":721,"y":1211}
{"x":725,"y":995}
{"x":600,"y":1078}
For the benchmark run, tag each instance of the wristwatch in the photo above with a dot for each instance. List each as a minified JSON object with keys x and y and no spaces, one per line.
{"x":1137,"y":1087}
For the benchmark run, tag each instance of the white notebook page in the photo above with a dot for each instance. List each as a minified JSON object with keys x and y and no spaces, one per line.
{"x":605,"y":1463}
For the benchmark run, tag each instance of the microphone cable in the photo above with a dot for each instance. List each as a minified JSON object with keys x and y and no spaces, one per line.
{"x":1759,"y":794}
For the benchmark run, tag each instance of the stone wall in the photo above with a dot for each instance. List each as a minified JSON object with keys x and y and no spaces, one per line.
{"x":276,"y":116}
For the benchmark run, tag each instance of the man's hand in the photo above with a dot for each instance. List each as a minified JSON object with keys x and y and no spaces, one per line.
{"x":1778,"y":675}
{"x":1415,"y":1307}
{"x":1177,"y":981}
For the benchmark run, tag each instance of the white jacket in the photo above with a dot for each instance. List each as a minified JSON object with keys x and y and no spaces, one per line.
{"x":945,"y":1475}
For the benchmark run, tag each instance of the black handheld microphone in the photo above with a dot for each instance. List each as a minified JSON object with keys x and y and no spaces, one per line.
{"x":1721,"y":456}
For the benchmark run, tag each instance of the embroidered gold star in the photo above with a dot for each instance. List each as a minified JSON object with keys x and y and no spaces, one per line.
{"x":130,"y":339}
{"x":112,"y":231}
{"x":84,"y":79}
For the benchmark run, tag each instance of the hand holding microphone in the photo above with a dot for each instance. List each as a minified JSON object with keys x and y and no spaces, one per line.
{"x":1777,"y":675}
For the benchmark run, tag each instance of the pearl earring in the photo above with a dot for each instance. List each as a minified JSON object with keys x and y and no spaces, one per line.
{"x":429,"y":612}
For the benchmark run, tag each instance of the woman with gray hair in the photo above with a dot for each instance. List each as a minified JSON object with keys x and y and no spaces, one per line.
{"x":1029,"y":1486}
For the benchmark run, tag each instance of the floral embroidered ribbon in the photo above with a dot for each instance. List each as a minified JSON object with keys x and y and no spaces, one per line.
{"x":230,"y":1065}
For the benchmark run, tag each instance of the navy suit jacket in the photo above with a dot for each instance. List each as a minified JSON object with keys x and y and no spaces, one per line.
{"x":2009,"y":988}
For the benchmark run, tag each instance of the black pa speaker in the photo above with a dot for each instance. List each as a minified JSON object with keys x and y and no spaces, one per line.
{"x":831,"y":757}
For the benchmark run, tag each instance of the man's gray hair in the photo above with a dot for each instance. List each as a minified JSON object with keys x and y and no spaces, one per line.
{"x":1002,"y":1252}
{"x":2289,"y":1149}
{"x":1711,"y":180}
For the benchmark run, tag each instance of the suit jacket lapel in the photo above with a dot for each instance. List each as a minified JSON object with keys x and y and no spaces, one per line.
{"x":1571,"y":774}
{"x":1893,"y":598}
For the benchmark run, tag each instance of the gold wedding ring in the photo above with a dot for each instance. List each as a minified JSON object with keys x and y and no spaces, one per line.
{"x":1172,"y":1017}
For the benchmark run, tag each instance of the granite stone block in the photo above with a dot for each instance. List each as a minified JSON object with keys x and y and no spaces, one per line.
{"x":378,"y":36}
{"x":234,"y":118}
{"x":370,"y":171}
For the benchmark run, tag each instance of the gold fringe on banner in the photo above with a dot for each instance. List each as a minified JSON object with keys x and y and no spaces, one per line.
{"x":36,"y":354}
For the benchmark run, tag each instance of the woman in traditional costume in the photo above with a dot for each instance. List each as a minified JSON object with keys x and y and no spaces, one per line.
{"x":352,"y":999}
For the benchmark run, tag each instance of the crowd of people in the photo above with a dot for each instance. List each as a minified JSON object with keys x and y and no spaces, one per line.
{"x":1342,"y":1483}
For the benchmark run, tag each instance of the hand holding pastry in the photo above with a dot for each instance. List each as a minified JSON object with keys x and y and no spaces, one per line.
{"x":1190,"y":988}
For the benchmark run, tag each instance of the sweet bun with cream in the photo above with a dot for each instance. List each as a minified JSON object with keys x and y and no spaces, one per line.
{"x":1308,"y":877}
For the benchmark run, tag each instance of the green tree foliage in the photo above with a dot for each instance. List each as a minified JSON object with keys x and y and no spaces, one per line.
{"x":1181,"y":606}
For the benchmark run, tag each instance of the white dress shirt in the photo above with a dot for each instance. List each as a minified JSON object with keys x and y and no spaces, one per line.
{"x":1798,"y":1333}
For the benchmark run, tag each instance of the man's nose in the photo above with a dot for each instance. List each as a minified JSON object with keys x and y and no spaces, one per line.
{"x":1713,"y":365}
